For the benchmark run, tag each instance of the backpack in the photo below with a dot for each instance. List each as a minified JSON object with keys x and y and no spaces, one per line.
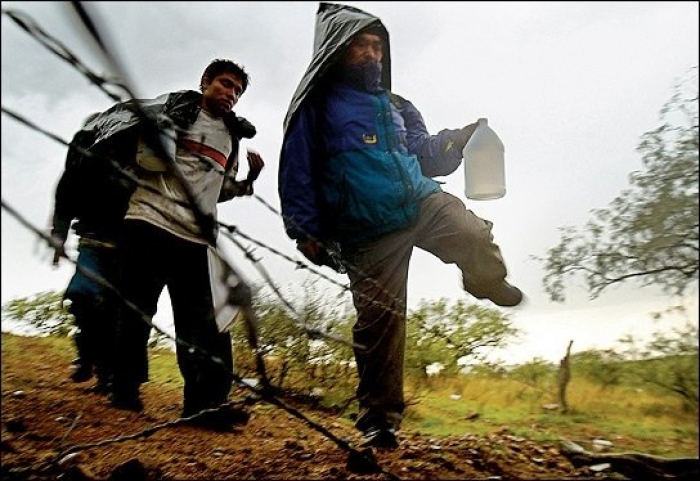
{"x":97,"y":185}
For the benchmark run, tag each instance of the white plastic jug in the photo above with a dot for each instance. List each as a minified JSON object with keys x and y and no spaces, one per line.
{"x":484,"y":164}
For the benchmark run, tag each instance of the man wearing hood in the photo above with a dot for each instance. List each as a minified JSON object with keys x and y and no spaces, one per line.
{"x":356,"y":170}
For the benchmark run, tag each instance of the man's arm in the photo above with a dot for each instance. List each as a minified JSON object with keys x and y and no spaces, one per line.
{"x":235,"y":188}
{"x":439,"y":154}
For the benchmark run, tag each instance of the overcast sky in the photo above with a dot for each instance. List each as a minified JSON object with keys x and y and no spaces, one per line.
{"x":568,"y":86}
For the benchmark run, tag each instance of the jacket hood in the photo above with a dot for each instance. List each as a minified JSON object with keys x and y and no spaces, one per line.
{"x":336,"y":24}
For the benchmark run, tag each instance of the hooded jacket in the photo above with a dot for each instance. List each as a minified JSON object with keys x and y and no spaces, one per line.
{"x":335,"y":26}
{"x":355,"y":162}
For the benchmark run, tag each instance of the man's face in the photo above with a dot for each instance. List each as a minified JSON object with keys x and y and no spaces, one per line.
{"x":364,"y":47}
{"x":221,"y":93}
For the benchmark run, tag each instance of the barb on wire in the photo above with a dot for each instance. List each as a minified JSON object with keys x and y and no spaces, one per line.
{"x":71,"y":428}
{"x":58,"y":48}
{"x":312,"y":333}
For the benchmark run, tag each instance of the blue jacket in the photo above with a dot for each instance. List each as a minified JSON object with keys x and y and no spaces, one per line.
{"x":353,"y":166}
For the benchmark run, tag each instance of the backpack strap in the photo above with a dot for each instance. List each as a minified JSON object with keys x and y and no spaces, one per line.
{"x":397,"y":101}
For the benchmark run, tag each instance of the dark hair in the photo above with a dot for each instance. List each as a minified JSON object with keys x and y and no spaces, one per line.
{"x":219,"y":66}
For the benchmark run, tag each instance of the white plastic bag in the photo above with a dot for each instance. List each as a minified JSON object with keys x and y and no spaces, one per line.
{"x":228,"y":291}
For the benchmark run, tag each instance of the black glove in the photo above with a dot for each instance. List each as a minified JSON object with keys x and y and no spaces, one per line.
{"x":463,"y":135}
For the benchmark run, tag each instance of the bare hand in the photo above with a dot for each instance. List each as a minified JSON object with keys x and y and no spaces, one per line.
{"x":255,"y":165}
{"x":311,"y":249}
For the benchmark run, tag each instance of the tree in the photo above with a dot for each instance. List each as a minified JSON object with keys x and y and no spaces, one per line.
{"x":438,"y":332}
{"x":669,"y":362}
{"x":648,"y":233}
{"x":288,"y":341}
{"x":605,"y":367}
{"x":44,"y":311}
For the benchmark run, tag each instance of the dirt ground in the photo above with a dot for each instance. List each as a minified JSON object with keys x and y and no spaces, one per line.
{"x":53,"y":428}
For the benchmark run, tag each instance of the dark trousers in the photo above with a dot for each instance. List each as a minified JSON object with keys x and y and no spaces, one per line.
{"x":93,"y":305}
{"x":154,"y":259}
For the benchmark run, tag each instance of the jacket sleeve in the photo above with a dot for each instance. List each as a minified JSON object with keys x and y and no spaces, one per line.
{"x":297,"y":177}
{"x":439,"y":154}
{"x":66,"y":200}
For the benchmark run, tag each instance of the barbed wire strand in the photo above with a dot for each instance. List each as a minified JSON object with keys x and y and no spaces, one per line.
{"x":37,"y":32}
{"x":265,"y":393}
{"x":131,"y":177}
{"x":54,"y":45}
{"x":372,"y":300}
{"x":315,"y":332}
{"x":93,"y":31}
{"x":349,"y":266}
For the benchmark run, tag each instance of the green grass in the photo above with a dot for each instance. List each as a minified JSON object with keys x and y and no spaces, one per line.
{"x":162,"y":366}
{"x":642,"y":422}
{"x":163,"y":369}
